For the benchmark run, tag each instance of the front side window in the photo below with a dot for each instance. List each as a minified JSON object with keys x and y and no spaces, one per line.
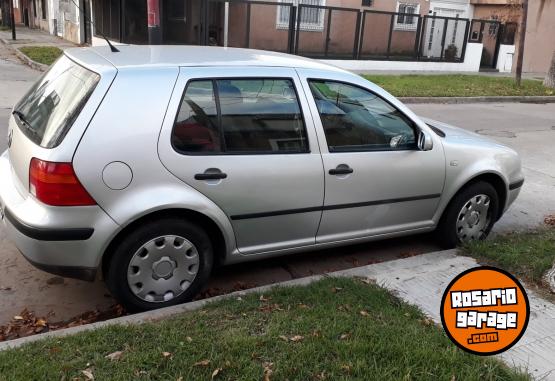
{"x":355,"y":119}
{"x":46,"y":113}
{"x":240,"y":116}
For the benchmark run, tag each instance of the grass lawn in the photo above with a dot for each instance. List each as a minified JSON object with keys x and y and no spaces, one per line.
{"x":456,"y":85}
{"x":42,"y":54}
{"x":527,"y":255}
{"x":333,"y":329}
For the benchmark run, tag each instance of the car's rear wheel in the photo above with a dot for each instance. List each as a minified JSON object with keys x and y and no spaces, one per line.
{"x":469,"y":216}
{"x":161,"y":263}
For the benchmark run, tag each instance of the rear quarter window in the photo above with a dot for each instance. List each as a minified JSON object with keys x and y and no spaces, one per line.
{"x":46,"y":113}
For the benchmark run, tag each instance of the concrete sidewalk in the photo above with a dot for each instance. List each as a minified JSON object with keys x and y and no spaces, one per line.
{"x":33,"y":37}
{"x":419,"y":280}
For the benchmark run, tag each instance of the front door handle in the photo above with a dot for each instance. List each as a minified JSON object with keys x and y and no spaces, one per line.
{"x":211,"y":174}
{"x":341,"y":169}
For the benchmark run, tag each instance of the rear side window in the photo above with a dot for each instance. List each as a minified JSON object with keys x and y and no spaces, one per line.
{"x":239,"y":116}
{"x":46,"y":113}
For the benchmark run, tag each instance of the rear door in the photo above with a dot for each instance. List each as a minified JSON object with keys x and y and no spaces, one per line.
{"x":243,"y":138}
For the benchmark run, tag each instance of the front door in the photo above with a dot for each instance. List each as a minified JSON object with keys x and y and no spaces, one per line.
{"x":240,"y":136}
{"x":377,"y":181}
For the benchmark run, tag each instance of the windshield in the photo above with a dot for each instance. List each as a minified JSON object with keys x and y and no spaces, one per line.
{"x":45,"y":114}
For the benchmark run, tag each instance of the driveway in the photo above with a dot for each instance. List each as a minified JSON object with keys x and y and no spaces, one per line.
{"x":22,"y":286}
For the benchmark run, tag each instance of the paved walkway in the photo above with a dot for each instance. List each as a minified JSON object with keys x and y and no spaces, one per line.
{"x":421,"y":280}
{"x":33,"y":37}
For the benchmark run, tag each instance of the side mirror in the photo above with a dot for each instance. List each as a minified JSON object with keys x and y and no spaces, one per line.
{"x":425,"y":142}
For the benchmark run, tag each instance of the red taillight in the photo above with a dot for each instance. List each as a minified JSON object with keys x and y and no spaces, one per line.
{"x":56,"y":184}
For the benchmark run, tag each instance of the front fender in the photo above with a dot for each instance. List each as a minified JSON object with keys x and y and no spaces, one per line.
{"x":466,"y":162}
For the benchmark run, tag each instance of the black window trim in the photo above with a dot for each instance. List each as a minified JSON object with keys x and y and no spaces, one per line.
{"x":220,"y":130}
{"x":412,"y":124}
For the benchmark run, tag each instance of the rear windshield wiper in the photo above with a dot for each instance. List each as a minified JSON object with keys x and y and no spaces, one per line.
{"x":21,"y":117}
{"x":26,"y":124}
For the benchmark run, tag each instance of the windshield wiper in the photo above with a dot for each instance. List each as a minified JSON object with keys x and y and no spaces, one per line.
{"x":21,"y":117}
{"x":26,"y":124}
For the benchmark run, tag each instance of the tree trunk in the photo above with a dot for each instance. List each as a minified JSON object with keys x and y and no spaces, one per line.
{"x":521,"y":40}
{"x":550,"y":77}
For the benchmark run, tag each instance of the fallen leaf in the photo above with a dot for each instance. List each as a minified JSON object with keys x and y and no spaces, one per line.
{"x":205,"y":362}
{"x":364,"y":313}
{"x":115,"y":356}
{"x":367,"y":280}
{"x":284,"y":338}
{"x":296,"y":338}
{"x":216,"y":372}
{"x":344,"y":336}
{"x":268,"y":370}
{"x":166,"y":354}
{"x":41,"y":323}
{"x":88,"y":373}
{"x":346,"y":368}
{"x":189,"y":339}
{"x":264,"y":299}
{"x":427,"y":321}
{"x":17,"y":317}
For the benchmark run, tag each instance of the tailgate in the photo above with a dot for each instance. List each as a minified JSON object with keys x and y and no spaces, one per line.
{"x":50,"y":119}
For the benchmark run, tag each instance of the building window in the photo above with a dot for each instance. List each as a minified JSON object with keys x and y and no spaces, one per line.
{"x":311,"y":18}
{"x":43,"y":9}
{"x":367,"y":3}
{"x":404,"y":20}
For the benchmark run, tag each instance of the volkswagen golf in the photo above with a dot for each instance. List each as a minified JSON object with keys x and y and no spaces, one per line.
{"x":150,"y":165}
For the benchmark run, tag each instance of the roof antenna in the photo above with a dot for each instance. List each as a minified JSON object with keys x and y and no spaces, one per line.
{"x":87,"y":19}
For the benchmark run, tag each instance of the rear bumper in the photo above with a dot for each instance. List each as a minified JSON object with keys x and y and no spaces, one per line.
{"x":66,"y":241}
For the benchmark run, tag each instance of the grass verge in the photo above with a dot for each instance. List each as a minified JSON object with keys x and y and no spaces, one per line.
{"x":332,"y":329}
{"x":527,"y":255}
{"x":42,"y":54}
{"x":456,"y":85}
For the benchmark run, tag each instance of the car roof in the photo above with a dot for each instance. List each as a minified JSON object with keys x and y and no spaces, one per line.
{"x":185,"y":55}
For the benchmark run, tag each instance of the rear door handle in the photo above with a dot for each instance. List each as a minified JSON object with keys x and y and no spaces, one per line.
{"x":341,"y":169}
{"x":211,"y":174}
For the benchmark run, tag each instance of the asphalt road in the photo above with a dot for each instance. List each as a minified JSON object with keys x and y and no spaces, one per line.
{"x":529,"y":128}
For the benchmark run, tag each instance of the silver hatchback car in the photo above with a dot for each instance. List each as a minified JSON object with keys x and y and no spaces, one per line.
{"x":152,"y":164}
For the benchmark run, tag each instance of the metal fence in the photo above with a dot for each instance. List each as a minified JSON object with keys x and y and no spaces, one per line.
{"x":308,"y":29}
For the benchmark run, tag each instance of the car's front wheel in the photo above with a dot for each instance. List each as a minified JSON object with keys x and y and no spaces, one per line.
{"x":161,"y":263}
{"x":469,"y":216}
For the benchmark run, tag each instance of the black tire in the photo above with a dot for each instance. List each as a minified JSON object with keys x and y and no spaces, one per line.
{"x":446,"y":231}
{"x":116,"y":278}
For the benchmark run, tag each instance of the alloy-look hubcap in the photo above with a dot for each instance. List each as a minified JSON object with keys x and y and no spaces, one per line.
{"x":473,"y":219}
{"x":163,"y":268}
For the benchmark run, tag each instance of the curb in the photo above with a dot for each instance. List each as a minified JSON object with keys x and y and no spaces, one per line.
{"x":455,"y":100}
{"x":163,"y":313}
{"x":26,"y":60}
